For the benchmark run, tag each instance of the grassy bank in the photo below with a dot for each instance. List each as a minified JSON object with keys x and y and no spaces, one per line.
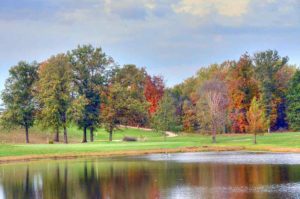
{"x":151,"y":142}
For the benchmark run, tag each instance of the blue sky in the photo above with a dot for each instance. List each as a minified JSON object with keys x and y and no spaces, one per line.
{"x":172,"y":38}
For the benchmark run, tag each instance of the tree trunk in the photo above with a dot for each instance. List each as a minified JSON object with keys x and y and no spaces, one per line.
{"x":64,"y":121}
{"x":254,"y":138}
{"x":92,"y":134}
{"x":269,"y":130}
{"x":214,"y":139}
{"x":27,"y":134}
{"x":27,"y":183}
{"x":110,"y":135}
{"x":214,"y":136}
{"x":84,"y":135}
{"x":65,"y":187}
{"x":56,"y":137}
{"x":65,"y":135}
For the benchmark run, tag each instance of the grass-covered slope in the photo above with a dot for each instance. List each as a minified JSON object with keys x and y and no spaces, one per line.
{"x":149,"y":142}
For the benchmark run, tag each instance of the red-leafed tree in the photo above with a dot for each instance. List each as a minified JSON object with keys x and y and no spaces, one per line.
{"x":153,"y":91}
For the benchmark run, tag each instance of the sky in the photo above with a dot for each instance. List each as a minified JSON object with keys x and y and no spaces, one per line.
{"x":172,"y":38}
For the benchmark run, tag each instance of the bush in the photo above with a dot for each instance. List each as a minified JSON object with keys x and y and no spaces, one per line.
{"x":177,"y":128}
{"x":129,"y":139}
{"x":50,"y":142}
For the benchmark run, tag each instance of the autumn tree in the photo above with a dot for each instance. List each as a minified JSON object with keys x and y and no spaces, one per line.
{"x":202,"y":110}
{"x":189,"y":117}
{"x":267,"y":64}
{"x":293,"y":102}
{"x":186,"y":98}
{"x":89,"y":66}
{"x":54,"y":93}
{"x":153,"y":91}
{"x":18,"y":99}
{"x":257,"y":122}
{"x":112,"y":110}
{"x":216,"y":96}
{"x":242,"y":88}
{"x":195,"y":109}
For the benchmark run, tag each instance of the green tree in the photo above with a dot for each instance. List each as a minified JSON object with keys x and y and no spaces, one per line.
{"x":54,"y":93}
{"x":90,"y":67}
{"x":18,"y":97}
{"x":293,"y":102}
{"x":133,"y":79}
{"x":165,"y":118}
{"x":119,"y":105}
{"x":257,"y":122}
{"x":267,"y":64}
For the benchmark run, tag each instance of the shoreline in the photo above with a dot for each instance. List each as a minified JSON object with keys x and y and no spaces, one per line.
{"x":28,"y":158}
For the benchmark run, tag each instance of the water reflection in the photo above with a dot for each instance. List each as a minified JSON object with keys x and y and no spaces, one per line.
{"x":143,"y":178}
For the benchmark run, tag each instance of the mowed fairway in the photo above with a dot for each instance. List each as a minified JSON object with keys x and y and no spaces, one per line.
{"x":149,"y":141}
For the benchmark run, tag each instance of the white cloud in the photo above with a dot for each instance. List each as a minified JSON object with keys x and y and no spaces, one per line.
{"x":150,"y":4}
{"x":153,"y":33}
{"x":228,"y":8}
{"x":129,"y":9}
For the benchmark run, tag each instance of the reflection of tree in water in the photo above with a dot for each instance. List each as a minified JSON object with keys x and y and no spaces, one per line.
{"x":56,"y":183}
{"x":25,"y":188}
{"x":143,"y":179}
{"x":114,"y":182}
{"x":90,"y":183}
{"x":239,"y":181}
{"x":64,"y":190}
{"x":28,"y":192}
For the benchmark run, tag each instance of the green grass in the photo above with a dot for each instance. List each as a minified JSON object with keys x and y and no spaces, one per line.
{"x":152,"y":140}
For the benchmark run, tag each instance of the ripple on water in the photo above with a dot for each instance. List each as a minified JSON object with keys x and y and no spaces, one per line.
{"x":228,"y":158}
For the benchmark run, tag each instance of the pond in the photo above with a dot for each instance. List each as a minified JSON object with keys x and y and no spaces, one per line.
{"x":182,"y":175}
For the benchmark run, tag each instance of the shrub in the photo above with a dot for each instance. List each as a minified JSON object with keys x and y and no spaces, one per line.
{"x":129,"y":139}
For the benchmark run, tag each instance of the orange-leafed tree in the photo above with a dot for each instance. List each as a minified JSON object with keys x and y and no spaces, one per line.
{"x":153,"y":91}
{"x":241,"y":88}
{"x":189,"y":118}
{"x":256,"y":118}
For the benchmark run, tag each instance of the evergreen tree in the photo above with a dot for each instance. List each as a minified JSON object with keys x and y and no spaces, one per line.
{"x":165,"y":118}
{"x":267,"y":64}
{"x":293,"y":102}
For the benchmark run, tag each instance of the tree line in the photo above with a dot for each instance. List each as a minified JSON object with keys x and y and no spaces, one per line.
{"x":86,"y":87}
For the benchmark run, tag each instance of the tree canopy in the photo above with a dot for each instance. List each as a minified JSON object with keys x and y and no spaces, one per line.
{"x":87,"y":88}
{"x":293,"y":101}
{"x":165,"y":118}
{"x":256,"y":118}
{"x":18,"y":97}
{"x":54,"y":93}
{"x":89,"y":66}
